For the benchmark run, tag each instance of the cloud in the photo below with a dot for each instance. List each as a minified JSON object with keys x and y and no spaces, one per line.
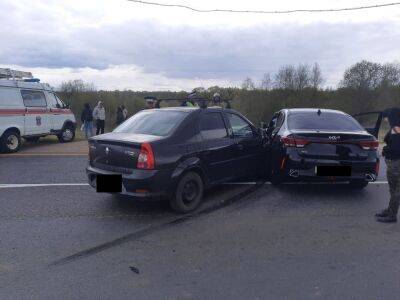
{"x":48,"y":39}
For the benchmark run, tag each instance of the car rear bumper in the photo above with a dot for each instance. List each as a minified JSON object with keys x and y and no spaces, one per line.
{"x":305,"y":170}
{"x":140,"y":183}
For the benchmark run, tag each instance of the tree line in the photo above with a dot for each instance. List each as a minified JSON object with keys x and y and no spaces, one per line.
{"x":365,"y":86}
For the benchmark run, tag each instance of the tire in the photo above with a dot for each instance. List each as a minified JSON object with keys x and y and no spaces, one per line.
{"x":66,"y":135}
{"x":33,"y":139}
{"x":10,"y":141}
{"x":358,"y":184}
{"x":188,"y":194}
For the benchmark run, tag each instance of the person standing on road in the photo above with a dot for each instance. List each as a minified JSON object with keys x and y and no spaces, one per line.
{"x":99,"y":114}
{"x":120,"y":115}
{"x":391,"y":152}
{"x":124,"y":111}
{"x":87,"y":120}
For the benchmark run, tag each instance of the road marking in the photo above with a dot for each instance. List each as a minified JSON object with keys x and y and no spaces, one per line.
{"x":24,"y":185}
{"x":298,"y":183}
{"x":43,"y":154}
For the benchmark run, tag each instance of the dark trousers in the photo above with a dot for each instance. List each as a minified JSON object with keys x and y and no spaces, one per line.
{"x":393,"y":176}
{"x":99,"y":126}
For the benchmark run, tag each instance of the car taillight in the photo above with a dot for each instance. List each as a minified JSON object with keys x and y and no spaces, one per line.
{"x":146,"y":157}
{"x":369,"y":145}
{"x":290,"y":141}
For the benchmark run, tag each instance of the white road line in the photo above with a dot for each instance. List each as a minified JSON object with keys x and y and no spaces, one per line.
{"x":4,"y":186}
{"x":24,"y":185}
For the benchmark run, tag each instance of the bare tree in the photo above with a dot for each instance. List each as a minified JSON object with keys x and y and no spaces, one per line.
{"x":390,"y":74}
{"x":266,"y":82}
{"x":316,"y":79}
{"x":302,"y":77}
{"x":248,"y":84}
{"x":364,"y":75}
{"x":285,"y":78}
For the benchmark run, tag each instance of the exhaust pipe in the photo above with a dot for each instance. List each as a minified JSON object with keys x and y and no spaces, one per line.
{"x":370,"y":177}
{"x":294,"y":173}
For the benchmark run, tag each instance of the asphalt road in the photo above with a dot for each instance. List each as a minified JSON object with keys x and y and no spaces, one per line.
{"x":247,"y":241}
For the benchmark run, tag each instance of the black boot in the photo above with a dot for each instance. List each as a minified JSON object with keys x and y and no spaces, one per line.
{"x":390,"y":218}
{"x":382,"y":213}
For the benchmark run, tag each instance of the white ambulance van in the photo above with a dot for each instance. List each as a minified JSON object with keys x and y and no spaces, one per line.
{"x":30,"y":110}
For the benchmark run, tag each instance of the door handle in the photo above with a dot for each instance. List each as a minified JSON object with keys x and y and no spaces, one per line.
{"x":240,"y":146}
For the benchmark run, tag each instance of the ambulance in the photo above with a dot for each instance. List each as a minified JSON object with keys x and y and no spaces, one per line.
{"x":30,"y":109}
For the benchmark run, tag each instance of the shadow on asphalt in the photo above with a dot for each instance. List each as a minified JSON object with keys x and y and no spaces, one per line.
{"x":122,"y":204}
{"x":321,"y":192}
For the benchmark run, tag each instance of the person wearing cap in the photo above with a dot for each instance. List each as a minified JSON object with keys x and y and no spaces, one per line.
{"x":99,"y":114}
{"x":391,"y":152}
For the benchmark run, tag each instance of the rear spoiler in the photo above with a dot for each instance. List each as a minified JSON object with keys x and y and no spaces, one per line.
{"x":202,"y":102}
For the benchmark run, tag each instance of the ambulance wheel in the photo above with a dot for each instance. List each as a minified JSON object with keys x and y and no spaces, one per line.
{"x":10,"y":141}
{"x":66,"y":135}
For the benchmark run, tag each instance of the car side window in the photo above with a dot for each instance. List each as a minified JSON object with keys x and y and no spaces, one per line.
{"x":212,"y":126}
{"x":33,"y":98}
{"x":240,"y":127}
{"x":53,"y":101}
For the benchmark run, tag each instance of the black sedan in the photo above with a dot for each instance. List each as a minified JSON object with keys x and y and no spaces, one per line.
{"x":175,"y":153}
{"x":320,"y":145}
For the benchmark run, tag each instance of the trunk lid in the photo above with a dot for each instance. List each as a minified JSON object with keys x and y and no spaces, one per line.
{"x":117,"y":152}
{"x":333,"y":145}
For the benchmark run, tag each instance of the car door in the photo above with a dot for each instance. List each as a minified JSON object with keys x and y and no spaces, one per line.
{"x":37,"y":119}
{"x":56,"y":112}
{"x":273,"y":147}
{"x":217,"y":151}
{"x":371,"y":121}
{"x":249,"y":144}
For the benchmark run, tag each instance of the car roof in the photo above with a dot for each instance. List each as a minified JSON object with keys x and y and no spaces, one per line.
{"x":313,"y":110}
{"x":192,"y":108}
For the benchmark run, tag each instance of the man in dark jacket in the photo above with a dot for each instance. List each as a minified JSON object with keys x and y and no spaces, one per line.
{"x":87,"y":120}
{"x":391,"y":152}
{"x":120,"y":115}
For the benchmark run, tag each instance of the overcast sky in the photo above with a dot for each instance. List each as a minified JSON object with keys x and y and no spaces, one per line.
{"x":117,"y":44}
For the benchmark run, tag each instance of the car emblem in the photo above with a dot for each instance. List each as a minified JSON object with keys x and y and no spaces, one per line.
{"x":107,"y":151}
{"x":130,"y":153}
{"x":334,"y":137}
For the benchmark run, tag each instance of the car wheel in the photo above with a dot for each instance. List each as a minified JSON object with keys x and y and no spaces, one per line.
{"x":358,"y":184}
{"x":10,"y":141}
{"x":188,"y":193}
{"x":33,"y":139}
{"x":66,"y":135}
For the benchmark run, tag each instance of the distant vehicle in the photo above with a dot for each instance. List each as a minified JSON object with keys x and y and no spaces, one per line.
{"x":321,"y":145}
{"x":176,"y":153}
{"x":30,"y":110}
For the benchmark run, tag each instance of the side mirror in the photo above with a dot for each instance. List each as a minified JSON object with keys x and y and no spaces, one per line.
{"x":67,"y":105}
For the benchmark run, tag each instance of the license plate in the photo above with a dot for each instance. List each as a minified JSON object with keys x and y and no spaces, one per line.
{"x":333,"y":170}
{"x":109,"y":183}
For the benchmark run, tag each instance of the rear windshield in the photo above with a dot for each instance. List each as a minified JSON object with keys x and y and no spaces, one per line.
{"x":152,"y":122}
{"x":326,"y":121}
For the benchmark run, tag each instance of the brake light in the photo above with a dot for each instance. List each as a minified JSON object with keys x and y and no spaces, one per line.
{"x":290,"y":141}
{"x":369,"y":145}
{"x":146,"y":157}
